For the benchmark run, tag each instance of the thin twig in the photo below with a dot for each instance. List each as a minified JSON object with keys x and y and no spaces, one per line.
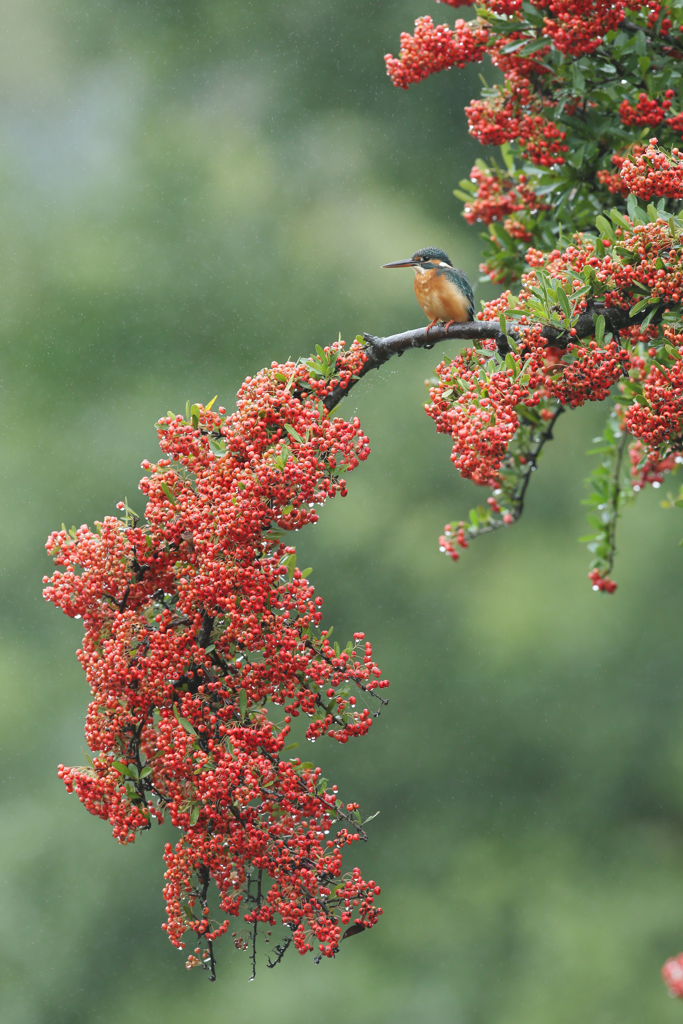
{"x":614,"y":502}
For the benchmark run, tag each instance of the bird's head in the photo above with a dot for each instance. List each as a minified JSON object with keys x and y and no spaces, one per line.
{"x":423,"y":259}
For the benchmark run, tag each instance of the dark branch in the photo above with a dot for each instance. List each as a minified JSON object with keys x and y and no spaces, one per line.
{"x":379,"y":350}
{"x":204,"y":634}
{"x":518,"y":494}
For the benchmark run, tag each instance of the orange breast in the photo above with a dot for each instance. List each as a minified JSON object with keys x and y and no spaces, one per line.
{"x":440,"y":298}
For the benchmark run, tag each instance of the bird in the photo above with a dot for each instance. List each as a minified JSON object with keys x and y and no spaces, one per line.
{"x":442,"y":290}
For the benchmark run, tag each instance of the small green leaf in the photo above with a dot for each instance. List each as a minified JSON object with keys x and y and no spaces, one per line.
{"x":618,"y":218}
{"x":147,"y":770}
{"x":634,"y":210}
{"x":243,"y":704}
{"x":194,"y":814}
{"x":124,"y":769}
{"x":169,"y":493}
{"x":371,"y":818}
{"x":183,"y":721}
{"x":605,"y":228}
{"x":639,"y":305}
{"x":599,"y":322}
{"x":290,"y":430}
{"x":306,"y":765}
{"x":564,"y":301}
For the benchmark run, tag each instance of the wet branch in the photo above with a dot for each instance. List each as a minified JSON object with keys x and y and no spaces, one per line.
{"x":380,"y":350}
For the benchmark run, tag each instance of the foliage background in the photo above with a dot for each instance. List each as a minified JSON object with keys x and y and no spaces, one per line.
{"x":189,"y":190}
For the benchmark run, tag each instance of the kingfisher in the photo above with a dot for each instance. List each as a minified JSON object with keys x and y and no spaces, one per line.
{"x":442,"y":290}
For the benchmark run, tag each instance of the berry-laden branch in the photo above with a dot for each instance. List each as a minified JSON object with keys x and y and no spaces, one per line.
{"x":584,"y":87}
{"x":203,"y":640}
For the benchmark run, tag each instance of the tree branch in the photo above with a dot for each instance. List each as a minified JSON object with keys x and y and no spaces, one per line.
{"x":380,"y":350}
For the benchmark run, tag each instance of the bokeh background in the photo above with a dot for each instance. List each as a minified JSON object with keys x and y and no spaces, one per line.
{"x":188,"y":190}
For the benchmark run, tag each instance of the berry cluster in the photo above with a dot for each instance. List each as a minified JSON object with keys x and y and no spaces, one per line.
{"x":578,"y":27}
{"x":647,"y":468}
{"x":647,"y":112}
{"x":658,"y":421}
{"x":653,"y":173}
{"x":197,"y":624}
{"x":601,"y":582}
{"x":435,"y":48}
{"x":672,"y":973}
{"x":612,"y":180}
{"x":498,"y":196}
{"x":515,"y":113}
{"x":479,"y":414}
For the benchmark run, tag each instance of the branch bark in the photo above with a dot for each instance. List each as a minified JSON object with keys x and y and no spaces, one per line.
{"x":379,"y":350}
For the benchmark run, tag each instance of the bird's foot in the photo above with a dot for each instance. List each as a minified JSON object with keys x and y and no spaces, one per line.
{"x":429,"y":326}
{"x":448,"y":324}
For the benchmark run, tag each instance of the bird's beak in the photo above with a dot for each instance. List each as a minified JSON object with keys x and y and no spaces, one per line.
{"x":400,"y":263}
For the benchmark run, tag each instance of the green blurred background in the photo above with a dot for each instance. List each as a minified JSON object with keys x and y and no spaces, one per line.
{"x":189,"y":190}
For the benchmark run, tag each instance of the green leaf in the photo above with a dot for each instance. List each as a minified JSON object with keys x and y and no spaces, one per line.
{"x":306,"y":765}
{"x":291,"y":746}
{"x":462,"y":196}
{"x":605,"y":228}
{"x":634,"y":210}
{"x":290,"y":430}
{"x":169,"y":493}
{"x":564,"y":301}
{"x":578,"y":81}
{"x":503,"y":323}
{"x":194,"y":814}
{"x":125,"y":769}
{"x":184,"y":722}
{"x":599,"y":322}
{"x":506,"y":152}
{"x":243,"y":704}
{"x":649,"y":316}
{"x":147,"y":770}
{"x":639,"y":305}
